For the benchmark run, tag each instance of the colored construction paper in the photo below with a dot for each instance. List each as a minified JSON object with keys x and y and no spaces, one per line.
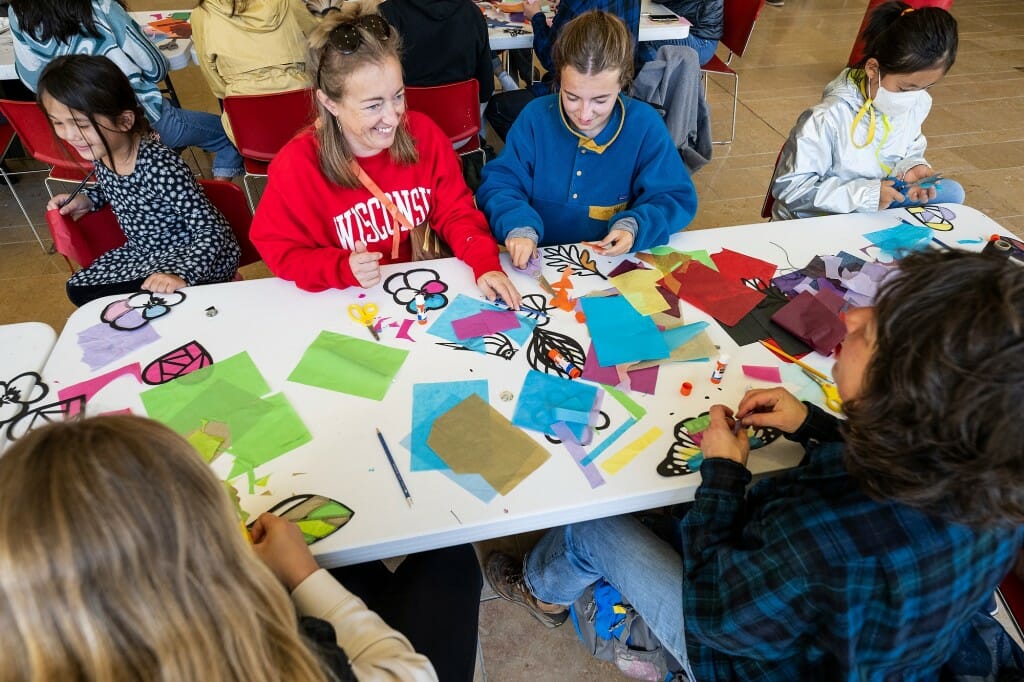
{"x":473,"y":437}
{"x":474,"y":484}
{"x":757,"y":325}
{"x":609,"y":439}
{"x":812,"y":322}
{"x":698,"y":348}
{"x":901,"y":239}
{"x":484,"y":322}
{"x":763,"y":373}
{"x":624,"y":267}
{"x":677,"y":336}
{"x":101,"y":344}
{"x":91,"y":387}
{"x":175,"y":363}
{"x":640,"y":288}
{"x":701,"y":256}
{"x":642,"y":381}
{"x":542,"y":394}
{"x":206,"y":445}
{"x":430,"y":401}
{"x":273,"y":427}
{"x":736,"y":265}
{"x":621,"y":334}
{"x":578,"y":454}
{"x":635,"y":409}
{"x":346,"y":364}
{"x":613,"y":464}
{"x":665,"y":262}
{"x":463,"y":306}
{"x":725,"y":299}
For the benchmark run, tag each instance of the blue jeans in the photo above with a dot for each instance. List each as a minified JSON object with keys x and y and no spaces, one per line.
{"x":645,"y":569}
{"x":185,"y":128}
{"x":705,"y":48}
{"x":946,"y":192}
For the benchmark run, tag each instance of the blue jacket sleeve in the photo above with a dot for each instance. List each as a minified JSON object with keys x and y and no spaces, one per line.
{"x":506,"y":185}
{"x":664,"y":198}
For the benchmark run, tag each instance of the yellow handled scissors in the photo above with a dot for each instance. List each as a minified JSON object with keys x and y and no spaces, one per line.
{"x":365,"y":315}
{"x":832,"y":399}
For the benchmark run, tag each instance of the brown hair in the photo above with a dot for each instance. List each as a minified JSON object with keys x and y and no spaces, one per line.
{"x":331,"y":77}
{"x":593,"y":42}
{"x":121,"y":559}
{"x":938,"y":426}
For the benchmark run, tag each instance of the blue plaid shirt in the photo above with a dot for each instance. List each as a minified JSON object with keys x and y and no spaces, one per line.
{"x":807,"y":578}
{"x":544,"y":35}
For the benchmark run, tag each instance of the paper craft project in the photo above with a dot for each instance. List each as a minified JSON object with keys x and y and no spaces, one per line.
{"x":936,"y":217}
{"x":102,"y":345}
{"x":725,"y":299}
{"x":640,"y":288}
{"x":430,"y":401}
{"x":61,"y":410}
{"x":621,"y":334}
{"x":543,"y":342}
{"x":465,"y":306}
{"x":578,"y":454}
{"x":207,"y":445}
{"x":545,"y":399}
{"x":901,"y":239}
{"x":90,"y":387}
{"x":614,"y":464}
{"x":18,"y":394}
{"x":763,"y":373}
{"x":345,"y":364}
{"x":573,"y":257}
{"x":176,"y":363}
{"x":270,"y":428}
{"x":811,"y":321}
{"x":740,"y":266}
{"x":317,"y":516}
{"x":701,"y":256}
{"x":642,"y":380}
{"x":485,"y":322}
{"x":665,"y":262}
{"x":404,"y":287}
{"x":757,"y":325}
{"x":624,"y":267}
{"x":693,"y":344}
{"x":139,"y":309}
{"x":473,"y":437}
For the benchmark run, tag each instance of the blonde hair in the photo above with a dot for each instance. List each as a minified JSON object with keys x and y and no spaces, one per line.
{"x":331,"y":77}
{"x":593,"y":42}
{"x":121,"y":559}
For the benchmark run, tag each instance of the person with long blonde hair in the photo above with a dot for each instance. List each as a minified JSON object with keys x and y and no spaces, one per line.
{"x":121,"y":559}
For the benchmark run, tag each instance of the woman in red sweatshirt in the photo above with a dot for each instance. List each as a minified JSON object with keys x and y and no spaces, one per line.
{"x":319,"y":223}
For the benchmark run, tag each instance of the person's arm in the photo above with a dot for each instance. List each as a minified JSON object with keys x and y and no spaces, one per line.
{"x":207,"y":59}
{"x":804,"y":181}
{"x":664,"y":198}
{"x":375,"y":650}
{"x":97,"y":195}
{"x":507,"y":184}
{"x":544,"y":35}
{"x":28,"y":63}
{"x":135,"y":45}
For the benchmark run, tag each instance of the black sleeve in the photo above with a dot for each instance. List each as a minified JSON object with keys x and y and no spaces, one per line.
{"x":818,"y":426}
{"x":320,"y":636}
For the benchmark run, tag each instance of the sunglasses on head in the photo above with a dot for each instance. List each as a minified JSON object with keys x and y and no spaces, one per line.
{"x":346,"y":38}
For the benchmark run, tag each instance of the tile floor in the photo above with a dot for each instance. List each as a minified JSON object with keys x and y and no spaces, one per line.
{"x":975,"y":131}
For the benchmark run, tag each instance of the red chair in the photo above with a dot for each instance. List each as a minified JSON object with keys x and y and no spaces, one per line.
{"x":262,"y":124}
{"x":857,"y":53}
{"x":738,"y":23}
{"x":455,"y":108}
{"x":769,"y":199}
{"x":231,"y":201}
{"x":36,"y":135}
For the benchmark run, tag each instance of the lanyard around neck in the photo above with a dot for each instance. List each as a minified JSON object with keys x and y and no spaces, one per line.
{"x":868,"y":108}
{"x":389,"y":205}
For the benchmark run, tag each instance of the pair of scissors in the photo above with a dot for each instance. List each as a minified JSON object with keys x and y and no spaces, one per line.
{"x":832,"y":399}
{"x":365,"y":315}
{"x":923,"y":183}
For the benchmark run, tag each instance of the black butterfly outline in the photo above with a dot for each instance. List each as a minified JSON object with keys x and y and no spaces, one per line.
{"x":18,"y":393}
{"x":675,"y":465}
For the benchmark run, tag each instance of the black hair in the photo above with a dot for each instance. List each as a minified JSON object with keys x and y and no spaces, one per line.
{"x":58,"y":19}
{"x":905,"y":40}
{"x":938,"y":425}
{"x":94,"y":86}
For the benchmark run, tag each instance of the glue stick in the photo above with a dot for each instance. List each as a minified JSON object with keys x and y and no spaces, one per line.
{"x":569,"y":368}
{"x":421,"y":309}
{"x":719,"y":371}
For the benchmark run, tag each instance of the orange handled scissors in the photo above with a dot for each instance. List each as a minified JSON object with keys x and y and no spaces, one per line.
{"x":365,"y":315}
{"x":832,"y":399}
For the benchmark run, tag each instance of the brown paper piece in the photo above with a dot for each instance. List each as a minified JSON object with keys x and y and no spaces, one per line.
{"x":700,"y":346}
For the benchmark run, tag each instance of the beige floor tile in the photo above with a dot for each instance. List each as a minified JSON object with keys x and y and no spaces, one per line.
{"x":36,"y":298}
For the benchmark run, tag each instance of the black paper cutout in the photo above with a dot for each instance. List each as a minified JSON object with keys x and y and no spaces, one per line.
{"x":604,"y":422}
{"x":69,"y":409}
{"x":18,"y":394}
{"x":675,"y":465}
{"x":404,"y":286}
{"x":496,"y":344}
{"x":572,"y":256}
{"x":178,"y":362}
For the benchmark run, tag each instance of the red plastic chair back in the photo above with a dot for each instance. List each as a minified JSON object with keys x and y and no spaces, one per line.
{"x":84,"y":240}
{"x":738,"y":23}
{"x":454,"y":107}
{"x":769,"y":199}
{"x":857,"y":53}
{"x":38,"y":139}
{"x":262,"y":124}
{"x":230,"y":200}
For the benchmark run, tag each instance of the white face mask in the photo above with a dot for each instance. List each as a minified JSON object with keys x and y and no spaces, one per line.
{"x":894,"y":103}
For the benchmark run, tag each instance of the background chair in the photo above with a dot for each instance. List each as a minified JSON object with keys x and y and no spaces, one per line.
{"x":232,"y":202}
{"x":455,"y":108}
{"x":738,"y":23}
{"x":7,"y":136}
{"x":262,"y":124}
{"x":857,"y":53}
{"x":769,"y":199}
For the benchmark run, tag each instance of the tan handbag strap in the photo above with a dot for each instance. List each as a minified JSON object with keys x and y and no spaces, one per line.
{"x":396,"y":215}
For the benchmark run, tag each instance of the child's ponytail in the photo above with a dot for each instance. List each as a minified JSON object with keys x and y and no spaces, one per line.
{"x":905,"y":40}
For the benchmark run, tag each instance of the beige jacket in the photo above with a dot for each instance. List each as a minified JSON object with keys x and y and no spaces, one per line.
{"x":260,"y":50}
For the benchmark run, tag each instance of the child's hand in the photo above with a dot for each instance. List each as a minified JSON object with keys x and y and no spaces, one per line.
{"x":496,"y":283}
{"x":365,"y":265}
{"x":530,"y":7}
{"x":163,"y":283}
{"x":919,"y":194}
{"x":521,"y":250}
{"x":280,"y":545}
{"x":721,"y":440}
{"x":615,"y":243}
{"x":773,"y":407}
{"x":918,"y":172}
{"x":888,"y":195}
{"x":76,"y":208}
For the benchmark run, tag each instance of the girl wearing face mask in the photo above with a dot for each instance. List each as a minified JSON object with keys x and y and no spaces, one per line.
{"x":861,"y":148}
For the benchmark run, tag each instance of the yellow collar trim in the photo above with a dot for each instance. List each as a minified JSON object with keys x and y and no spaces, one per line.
{"x":588,"y":143}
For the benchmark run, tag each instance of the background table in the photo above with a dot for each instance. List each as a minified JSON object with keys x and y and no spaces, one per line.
{"x":275,"y":323}
{"x":24,"y":347}
{"x":499,"y":39}
{"x":178,"y":57}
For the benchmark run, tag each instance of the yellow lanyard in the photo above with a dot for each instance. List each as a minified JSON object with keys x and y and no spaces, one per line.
{"x":866,"y":108}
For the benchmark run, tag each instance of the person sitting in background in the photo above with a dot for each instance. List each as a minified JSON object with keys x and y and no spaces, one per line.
{"x":588,"y":163}
{"x":251,"y":47}
{"x":45,"y":29}
{"x":870,"y":559}
{"x":706,"y":19}
{"x":861,"y":149}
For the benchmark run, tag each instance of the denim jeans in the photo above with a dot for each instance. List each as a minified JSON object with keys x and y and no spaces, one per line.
{"x":185,"y":128}
{"x":645,"y":569}
{"x":946,"y":192}
{"x":705,"y":48}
